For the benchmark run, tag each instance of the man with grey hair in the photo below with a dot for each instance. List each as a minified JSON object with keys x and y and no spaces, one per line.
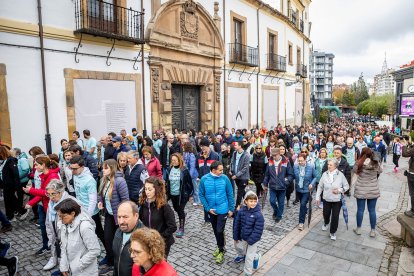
{"x":135,"y":175}
{"x":350,"y":152}
{"x":128,"y":221}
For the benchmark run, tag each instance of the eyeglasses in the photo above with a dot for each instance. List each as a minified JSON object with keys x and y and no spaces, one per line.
{"x":74,"y":169}
{"x":244,"y":141}
{"x":258,"y":148}
{"x":133,"y":252}
{"x":50,"y":195}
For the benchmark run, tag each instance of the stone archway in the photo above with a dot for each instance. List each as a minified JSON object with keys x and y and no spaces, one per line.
{"x":186,"y":49}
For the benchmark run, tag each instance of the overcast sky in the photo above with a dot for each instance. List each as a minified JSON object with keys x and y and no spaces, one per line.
{"x":359,"y":32}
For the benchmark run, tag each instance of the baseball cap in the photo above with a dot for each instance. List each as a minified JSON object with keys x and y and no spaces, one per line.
{"x":117,"y":139}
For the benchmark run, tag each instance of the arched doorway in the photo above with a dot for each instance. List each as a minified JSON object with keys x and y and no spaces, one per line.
{"x":185,"y":63}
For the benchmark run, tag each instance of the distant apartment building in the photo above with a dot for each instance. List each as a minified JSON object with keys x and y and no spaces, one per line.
{"x":384,"y":82}
{"x":321,"y":70}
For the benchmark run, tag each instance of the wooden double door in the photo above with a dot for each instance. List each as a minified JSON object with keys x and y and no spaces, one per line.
{"x":185,"y":107}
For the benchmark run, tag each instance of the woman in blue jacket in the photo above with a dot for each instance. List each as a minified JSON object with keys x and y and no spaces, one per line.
{"x":179,"y":188}
{"x":305,"y":179}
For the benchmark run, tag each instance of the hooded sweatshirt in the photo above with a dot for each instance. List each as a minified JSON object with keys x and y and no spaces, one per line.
{"x":24,"y":167}
{"x":85,"y":190}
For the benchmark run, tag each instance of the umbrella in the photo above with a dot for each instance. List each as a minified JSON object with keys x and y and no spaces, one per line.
{"x":310,"y":207}
{"x":344,"y":210}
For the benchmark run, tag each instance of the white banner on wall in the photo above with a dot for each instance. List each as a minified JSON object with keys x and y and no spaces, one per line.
{"x":270,"y":108}
{"x":103,"y":106}
{"x":237,"y":108}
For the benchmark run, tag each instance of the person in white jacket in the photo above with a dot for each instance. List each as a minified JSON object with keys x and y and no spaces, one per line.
{"x":333,"y":184}
{"x":79,"y":244}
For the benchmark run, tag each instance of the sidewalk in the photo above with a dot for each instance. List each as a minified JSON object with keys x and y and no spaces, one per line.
{"x":316,"y":254}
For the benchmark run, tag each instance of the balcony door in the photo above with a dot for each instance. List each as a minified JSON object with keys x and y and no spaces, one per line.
{"x":102,"y":15}
{"x":273,"y":59}
{"x":185,"y":107}
{"x":238,"y":39}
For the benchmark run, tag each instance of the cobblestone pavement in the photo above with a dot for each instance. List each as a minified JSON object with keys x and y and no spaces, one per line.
{"x":350,"y":254}
{"x":191,"y":255}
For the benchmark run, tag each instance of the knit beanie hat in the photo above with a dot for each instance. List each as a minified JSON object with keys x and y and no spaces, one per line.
{"x":250,"y":193}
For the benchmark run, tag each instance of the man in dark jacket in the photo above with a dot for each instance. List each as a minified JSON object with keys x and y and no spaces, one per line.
{"x":285,"y":137}
{"x":169,"y":146}
{"x":135,"y":175}
{"x":119,"y":147}
{"x":278,"y":175}
{"x":408,"y":151}
{"x":90,"y":162}
{"x":343,"y":166}
{"x":379,"y":149}
{"x":128,"y":221}
{"x":239,"y":170}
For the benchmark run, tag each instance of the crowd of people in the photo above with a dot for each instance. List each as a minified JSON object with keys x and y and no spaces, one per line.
{"x":117,"y":190}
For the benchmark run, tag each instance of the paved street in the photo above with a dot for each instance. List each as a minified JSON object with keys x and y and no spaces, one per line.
{"x":314,"y":254}
{"x":350,"y":254}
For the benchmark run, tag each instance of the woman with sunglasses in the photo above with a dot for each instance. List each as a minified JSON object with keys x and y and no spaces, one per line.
{"x":258,"y":161}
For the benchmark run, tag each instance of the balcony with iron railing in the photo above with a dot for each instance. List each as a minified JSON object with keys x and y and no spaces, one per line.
{"x":293,"y":16}
{"x":302,"y":70}
{"x":98,"y":18}
{"x":243,"y":54}
{"x":276,"y":62}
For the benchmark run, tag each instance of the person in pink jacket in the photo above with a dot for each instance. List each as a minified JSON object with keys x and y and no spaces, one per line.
{"x":151,"y":163}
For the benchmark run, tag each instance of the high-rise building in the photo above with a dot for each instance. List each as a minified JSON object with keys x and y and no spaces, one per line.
{"x":384,"y":83}
{"x":321,"y":70}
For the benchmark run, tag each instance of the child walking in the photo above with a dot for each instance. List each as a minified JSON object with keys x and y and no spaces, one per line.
{"x":247,"y":231}
{"x":396,"y":153}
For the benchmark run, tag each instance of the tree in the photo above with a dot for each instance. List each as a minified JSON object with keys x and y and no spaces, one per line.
{"x":348,"y":98}
{"x":337,"y":95}
{"x":377,"y":105}
{"x":360,"y":90}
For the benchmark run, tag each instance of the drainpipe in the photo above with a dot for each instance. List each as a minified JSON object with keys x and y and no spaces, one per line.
{"x":144,"y":131}
{"x":303,"y":82}
{"x":48,"y":137}
{"x":258,"y":71}
{"x":224,"y":59}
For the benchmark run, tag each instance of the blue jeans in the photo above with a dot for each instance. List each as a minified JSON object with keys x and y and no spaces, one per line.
{"x":371,"y":203}
{"x":303,"y":198}
{"x":3,"y":219}
{"x":279,"y":206}
{"x":42,"y":223}
{"x":196,"y":187}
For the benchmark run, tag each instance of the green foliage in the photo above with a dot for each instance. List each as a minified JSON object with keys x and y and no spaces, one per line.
{"x":359,"y":90}
{"x":324,"y":116}
{"x":377,"y":105}
{"x":412,"y":135}
{"x":348,"y":98}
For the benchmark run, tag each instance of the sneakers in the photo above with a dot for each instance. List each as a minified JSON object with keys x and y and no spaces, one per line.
{"x":24,"y":215}
{"x":239,"y":259}
{"x":103,"y":262}
{"x":372,"y":234}
{"x":50,"y":264}
{"x":215,"y":253}
{"x":357,"y":231}
{"x":324,"y":227}
{"x":13,"y":267}
{"x":179,"y":233}
{"x":42,"y":251}
{"x":106,"y":271}
{"x":6,"y":228}
{"x":277,"y":220}
{"x":5,"y":249}
{"x":333,"y":236}
{"x":300,"y":227}
{"x":409,"y":214}
{"x":220,"y":258}
{"x":321,"y":205}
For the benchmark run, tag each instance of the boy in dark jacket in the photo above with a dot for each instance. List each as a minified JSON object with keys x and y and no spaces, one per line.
{"x":247,"y":231}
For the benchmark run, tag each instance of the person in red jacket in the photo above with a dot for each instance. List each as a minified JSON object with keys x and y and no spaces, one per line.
{"x":147,"y":251}
{"x":151,"y":163}
{"x":48,"y":169}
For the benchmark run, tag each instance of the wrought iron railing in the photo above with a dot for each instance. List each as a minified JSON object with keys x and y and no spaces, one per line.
{"x":301,"y":28}
{"x":302,"y":70}
{"x":96,"y":17}
{"x":242,"y":54}
{"x":276,"y":62}
{"x":293,"y":16}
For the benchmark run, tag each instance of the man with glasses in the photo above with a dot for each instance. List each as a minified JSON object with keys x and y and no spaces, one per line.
{"x":85,"y":190}
{"x":239,"y":170}
{"x":277,"y":177}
